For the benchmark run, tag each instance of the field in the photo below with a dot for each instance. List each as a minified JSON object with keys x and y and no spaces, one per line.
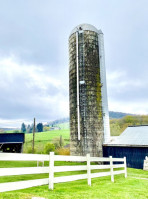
{"x":131,"y":187}
{"x":64,"y":125}
{"x":12,"y":131}
{"x":42,"y":138}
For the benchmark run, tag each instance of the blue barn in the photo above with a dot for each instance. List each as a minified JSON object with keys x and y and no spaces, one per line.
{"x":132,"y":143}
{"x":11,"y":142}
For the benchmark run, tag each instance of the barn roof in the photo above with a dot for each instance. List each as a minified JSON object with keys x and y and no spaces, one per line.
{"x":132,"y":136}
{"x":6,"y":138}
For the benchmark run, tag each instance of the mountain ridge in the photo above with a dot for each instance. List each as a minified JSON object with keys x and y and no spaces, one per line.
{"x":112,"y":115}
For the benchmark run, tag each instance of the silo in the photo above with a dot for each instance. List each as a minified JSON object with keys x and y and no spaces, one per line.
{"x":89,"y":120}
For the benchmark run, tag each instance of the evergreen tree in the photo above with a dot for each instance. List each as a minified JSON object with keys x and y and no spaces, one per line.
{"x":23,"y":128}
{"x":39,"y":127}
{"x":29,"y":128}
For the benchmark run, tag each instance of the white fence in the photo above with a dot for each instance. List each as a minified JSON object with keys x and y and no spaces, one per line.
{"x":145,"y":165}
{"x":51,"y":169}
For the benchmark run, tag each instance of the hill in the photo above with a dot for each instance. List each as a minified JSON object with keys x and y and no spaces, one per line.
{"x":118,"y":115}
{"x":65,"y":121}
{"x":41,"y":139}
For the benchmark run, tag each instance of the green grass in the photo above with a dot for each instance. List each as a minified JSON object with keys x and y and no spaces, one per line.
{"x":42,"y":138}
{"x":9,"y":131}
{"x":102,"y":188}
{"x":12,"y":131}
{"x":48,"y":135}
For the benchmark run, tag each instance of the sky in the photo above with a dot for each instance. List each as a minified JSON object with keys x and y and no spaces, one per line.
{"x":34,"y":80}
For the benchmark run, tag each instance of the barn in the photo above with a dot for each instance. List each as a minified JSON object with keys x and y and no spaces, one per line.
{"x":11,"y":142}
{"x":132,"y":143}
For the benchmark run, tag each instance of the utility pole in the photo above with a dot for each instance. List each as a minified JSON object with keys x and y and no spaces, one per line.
{"x":33,"y":136}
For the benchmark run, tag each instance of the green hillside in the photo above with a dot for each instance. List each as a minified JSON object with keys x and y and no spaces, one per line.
{"x":64,"y":125}
{"x":42,"y":138}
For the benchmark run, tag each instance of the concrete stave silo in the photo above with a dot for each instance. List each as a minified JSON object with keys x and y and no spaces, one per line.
{"x":89,"y":121}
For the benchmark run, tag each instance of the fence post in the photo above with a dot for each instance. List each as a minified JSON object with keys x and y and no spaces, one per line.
{"x":125,"y":168}
{"x":88,"y":169}
{"x":51,"y":170}
{"x":111,"y":168}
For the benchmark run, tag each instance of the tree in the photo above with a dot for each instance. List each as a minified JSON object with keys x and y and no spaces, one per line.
{"x":23,"y":128}
{"x":39,"y":127}
{"x":115,"y":129}
{"x":29,"y":128}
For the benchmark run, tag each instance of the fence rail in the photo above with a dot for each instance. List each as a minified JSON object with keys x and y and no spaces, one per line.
{"x":51,"y":169}
{"x":145,"y":165}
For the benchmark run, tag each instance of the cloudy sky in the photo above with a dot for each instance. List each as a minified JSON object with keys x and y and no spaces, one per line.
{"x":34,"y":55}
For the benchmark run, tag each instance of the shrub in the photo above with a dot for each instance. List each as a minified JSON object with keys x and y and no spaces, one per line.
{"x":49,"y":147}
{"x":40,"y":150}
{"x":29,"y":150}
{"x":63,"y":151}
{"x":46,"y":128}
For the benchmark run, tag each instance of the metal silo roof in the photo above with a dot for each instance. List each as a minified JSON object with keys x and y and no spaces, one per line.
{"x":85,"y":27}
{"x":132,"y":136}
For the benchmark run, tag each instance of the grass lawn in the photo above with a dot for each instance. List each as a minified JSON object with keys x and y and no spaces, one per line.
{"x":42,"y":138}
{"x":103,"y":188}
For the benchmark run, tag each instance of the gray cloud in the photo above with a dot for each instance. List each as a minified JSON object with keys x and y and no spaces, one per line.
{"x":34,"y":54}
